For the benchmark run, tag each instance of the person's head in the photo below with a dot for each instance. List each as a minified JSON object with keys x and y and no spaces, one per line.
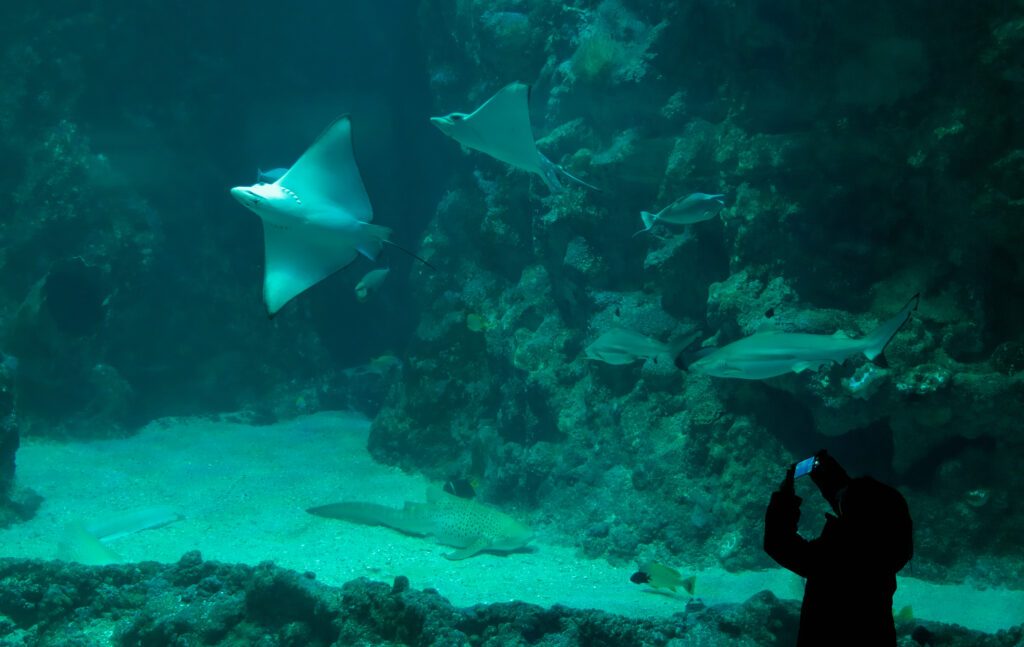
{"x":830,"y":477}
{"x":878,"y":519}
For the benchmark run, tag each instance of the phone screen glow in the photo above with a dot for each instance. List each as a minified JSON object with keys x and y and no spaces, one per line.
{"x":804,"y":467}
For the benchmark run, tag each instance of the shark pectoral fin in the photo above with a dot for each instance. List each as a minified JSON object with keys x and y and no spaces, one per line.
{"x":815,"y":365}
{"x":478,"y":544}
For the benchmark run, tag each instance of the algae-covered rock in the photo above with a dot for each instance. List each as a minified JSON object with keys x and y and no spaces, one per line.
{"x":859,"y":166}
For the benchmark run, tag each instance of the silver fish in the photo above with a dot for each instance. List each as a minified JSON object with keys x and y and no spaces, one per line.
{"x":696,"y":207}
{"x":271,"y":176}
{"x":771,"y":353}
{"x":371,"y":281}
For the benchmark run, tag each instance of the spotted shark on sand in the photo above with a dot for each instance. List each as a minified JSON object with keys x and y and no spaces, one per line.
{"x":501,"y":128}
{"x":466,"y":525}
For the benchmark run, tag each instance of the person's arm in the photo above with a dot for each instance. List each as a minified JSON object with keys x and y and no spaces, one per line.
{"x":781,"y":540}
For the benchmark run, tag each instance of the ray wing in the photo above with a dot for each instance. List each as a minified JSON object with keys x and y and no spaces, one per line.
{"x":327,"y":172}
{"x":297,"y":258}
{"x":501,"y":128}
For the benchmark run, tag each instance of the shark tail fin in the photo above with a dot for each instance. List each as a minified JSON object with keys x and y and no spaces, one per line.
{"x":376,"y":236}
{"x":677,"y":349}
{"x":649,"y":219}
{"x":875,"y":343}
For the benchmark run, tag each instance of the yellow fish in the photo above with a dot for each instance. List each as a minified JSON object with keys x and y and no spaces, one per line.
{"x":663,"y":577}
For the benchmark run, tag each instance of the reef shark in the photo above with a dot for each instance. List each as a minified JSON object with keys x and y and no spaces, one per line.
{"x":316,"y":217}
{"x":501,"y":128}
{"x":453,"y":521}
{"x":770,"y":353}
{"x":622,"y":346}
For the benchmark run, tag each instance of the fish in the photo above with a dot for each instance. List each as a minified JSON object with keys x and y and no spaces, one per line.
{"x":371,"y":281}
{"x":79,"y":545}
{"x":904,"y":615}
{"x":461,"y":487}
{"x":271,"y":176}
{"x":501,"y":128}
{"x":380,"y":366}
{"x":466,"y":525}
{"x":478,"y":323}
{"x":663,"y":577}
{"x":772,"y":353}
{"x":696,"y":207}
{"x":316,"y":217}
{"x":620,"y":346}
{"x":383,"y":364}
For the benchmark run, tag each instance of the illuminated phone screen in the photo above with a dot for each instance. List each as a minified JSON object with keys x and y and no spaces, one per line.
{"x":804,"y":467}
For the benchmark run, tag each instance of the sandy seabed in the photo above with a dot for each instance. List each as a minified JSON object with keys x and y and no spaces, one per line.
{"x":242,"y":491}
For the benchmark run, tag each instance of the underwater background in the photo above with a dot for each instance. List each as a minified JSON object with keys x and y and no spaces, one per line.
{"x":866,"y":152}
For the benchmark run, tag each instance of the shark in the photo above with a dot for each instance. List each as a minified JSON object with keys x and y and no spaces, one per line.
{"x":620,"y":346}
{"x":501,"y":128}
{"x":771,"y":353}
{"x":466,"y":525}
{"x":316,"y":216}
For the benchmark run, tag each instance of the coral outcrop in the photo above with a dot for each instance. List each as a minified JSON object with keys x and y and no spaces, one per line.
{"x":862,"y":162}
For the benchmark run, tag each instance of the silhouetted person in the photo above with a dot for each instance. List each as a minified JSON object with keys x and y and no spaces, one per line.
{"x":851,"y":567}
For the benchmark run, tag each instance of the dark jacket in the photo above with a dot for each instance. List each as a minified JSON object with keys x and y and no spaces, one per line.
{"x":850,"y":568}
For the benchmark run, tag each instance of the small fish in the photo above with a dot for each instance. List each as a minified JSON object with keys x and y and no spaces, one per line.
{"x":271,"y":176}
{"x":696,"y":207}
{"x":906,"y":614}
{"x":381,"y":366}
{"x":663,"y":577}
{"x":461,"y":487}
{"x":384,"y":364}
{"x":371,"y":281}
{"x":622,"y":346}
{"x":770,"y":353}
{"x":478,"y":323}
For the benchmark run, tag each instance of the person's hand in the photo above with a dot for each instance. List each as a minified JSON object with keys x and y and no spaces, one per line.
{"x":787,"y":486}
{"x":784,"y":507}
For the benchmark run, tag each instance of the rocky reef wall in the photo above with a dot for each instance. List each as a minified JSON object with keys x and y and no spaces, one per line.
{"x":867,"y":152}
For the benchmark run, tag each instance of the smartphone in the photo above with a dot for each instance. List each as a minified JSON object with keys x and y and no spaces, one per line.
{"x":804,"y":467}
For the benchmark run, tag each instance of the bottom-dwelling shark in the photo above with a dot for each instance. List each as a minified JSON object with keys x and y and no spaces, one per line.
{"x":770,"y":353}
{"x":453,"y":521}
